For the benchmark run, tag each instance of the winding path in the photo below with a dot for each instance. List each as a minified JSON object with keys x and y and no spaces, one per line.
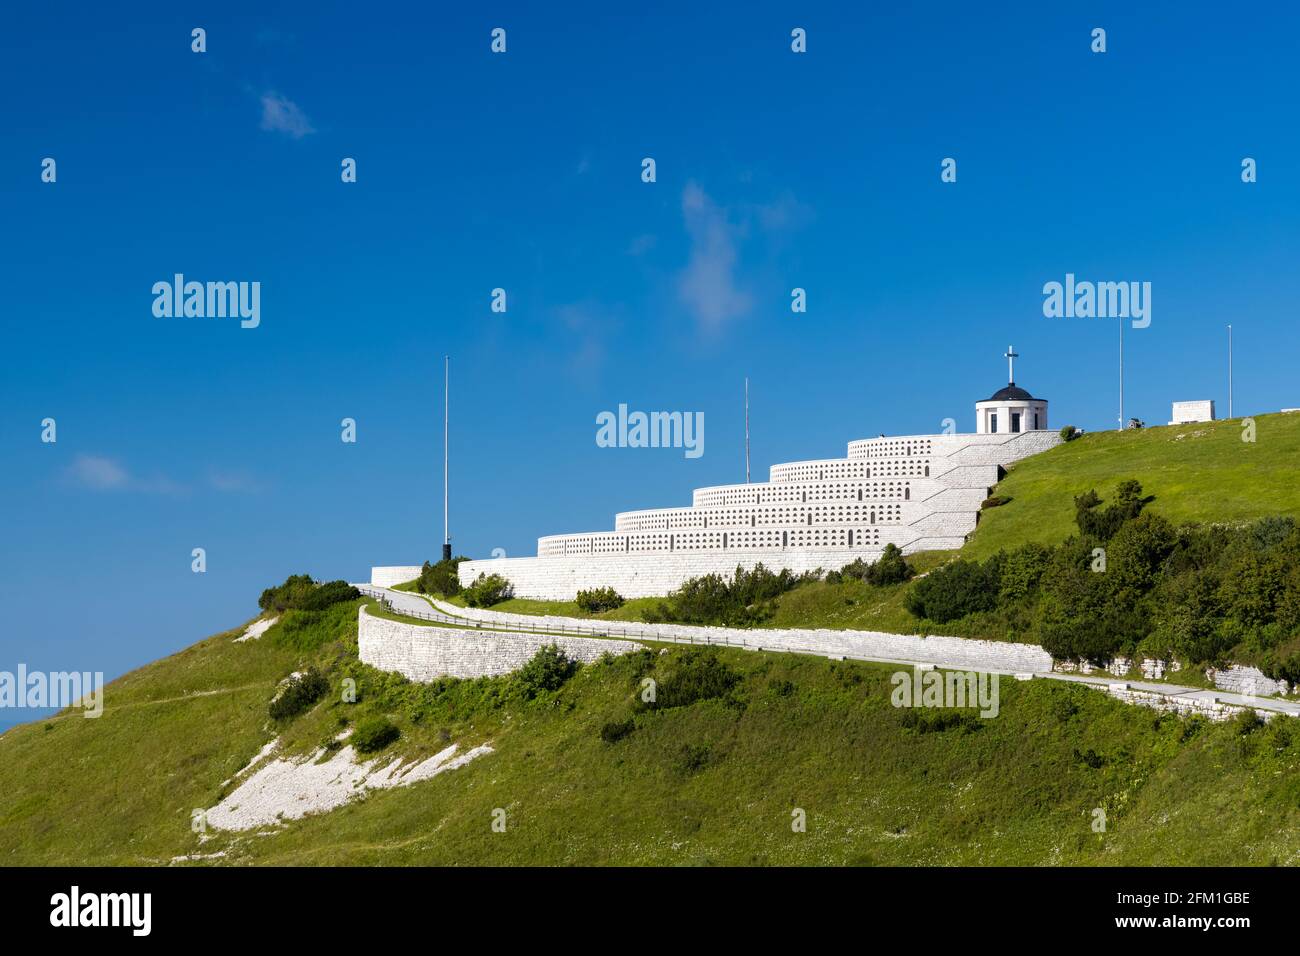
{"x":1023,"y":661}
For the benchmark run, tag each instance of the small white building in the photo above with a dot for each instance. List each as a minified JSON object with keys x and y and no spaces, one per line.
{"x":1011,"y":409}
{"x":1186,"y":412}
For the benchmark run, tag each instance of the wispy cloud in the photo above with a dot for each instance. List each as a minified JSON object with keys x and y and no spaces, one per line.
{"x":282,"y":115}
{"x":93,"y":471}
{"x":102,"y":473}
{"x":708,"y":286}
{"x":233,"y":482}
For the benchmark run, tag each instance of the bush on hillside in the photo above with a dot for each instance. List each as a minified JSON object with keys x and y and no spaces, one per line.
{"x":289,"y":594}
{"x":1103,"y":523}
{"x":890,"y":568}
{"x":1070,"y":433}
{"x":440,"y":578}
{"x":300,"y":592}
{"x":547,"y":671}
{"x":615,"y":730}
{"x":953,"y":591}
{"x":331,"y":592}
{"x":488,"y":589}
{"x":298,"y":694}
{"x":599,"y":599}
{"x":373,"y":734}
{"x":691,"y":676}
{"x":743,"y":600}
{"x":1022,"y":570}
{"x":994,"y":501}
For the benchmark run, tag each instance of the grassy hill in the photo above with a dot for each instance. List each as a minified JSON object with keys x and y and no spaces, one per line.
{"x":711,"y":782}
{"x":1196,"y":473}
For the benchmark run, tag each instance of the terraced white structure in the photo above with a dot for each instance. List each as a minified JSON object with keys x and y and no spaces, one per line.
{"x":919,"y":492}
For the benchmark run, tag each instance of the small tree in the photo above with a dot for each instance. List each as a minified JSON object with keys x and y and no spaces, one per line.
{"x":488,"y":589}
{"x":599,"y":599}
{"x":547,"y":671}
{"x":441,"y":578}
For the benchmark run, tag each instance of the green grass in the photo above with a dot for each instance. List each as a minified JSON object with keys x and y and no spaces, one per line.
{"x":1196,"y":473}
{"x":710,"y":783}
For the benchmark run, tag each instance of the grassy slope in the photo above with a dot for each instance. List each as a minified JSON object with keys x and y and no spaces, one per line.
{"x":812,"y":733}
{"x":1197,"y":473}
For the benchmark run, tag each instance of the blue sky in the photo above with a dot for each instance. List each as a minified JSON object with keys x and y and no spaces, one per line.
{"x":522,"y":171}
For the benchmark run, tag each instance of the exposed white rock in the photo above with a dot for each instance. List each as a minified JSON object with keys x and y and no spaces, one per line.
{"x":288,"y":789}
{"x":257,"y":629}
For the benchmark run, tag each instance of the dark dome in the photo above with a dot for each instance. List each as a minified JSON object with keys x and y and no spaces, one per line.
{"x":1010,"y":393}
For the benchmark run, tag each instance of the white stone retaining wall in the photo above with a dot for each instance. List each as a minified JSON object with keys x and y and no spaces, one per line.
{"x":427,"y":653}
{"x":1182,"y":704}
{"x":1241,"y":679}
{"x":953,"y":652}
{"x":560,"y":578}
{"x":386,"y":577}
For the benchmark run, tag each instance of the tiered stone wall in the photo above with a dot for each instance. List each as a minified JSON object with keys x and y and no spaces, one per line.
{"x":919,"y":492}
{"x":427,"y":653}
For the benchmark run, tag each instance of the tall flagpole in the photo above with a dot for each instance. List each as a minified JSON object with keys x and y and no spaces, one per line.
{"x":446,"y":455}
{"x":1230,"y":371}
{"x":746,"y":429}
{"x":1121,"y":374}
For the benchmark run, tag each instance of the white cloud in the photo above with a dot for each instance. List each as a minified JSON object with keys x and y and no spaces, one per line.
{"x":282,"y":115}
{"x":707,"y":286}
{"x":101,"y":473}
{"x":94,"y":471}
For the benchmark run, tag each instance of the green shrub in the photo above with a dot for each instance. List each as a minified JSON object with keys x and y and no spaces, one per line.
{"x":290,"y":594}
{"x":441,"y":578}
{"x":994,"y":501}
{"x":1021,"y":572}
{"x":547,"y":671}
{"x":692,"y":758}
{"x":953,"y":591}
{"x":1069,"y":433}
{"x":1102,"y":524}
{"x":488,"y":589}
{"x":615,"y":730}
{"x":373,"y":734}
{"x":743,"y":600}
{"x":932,"y":720}
{"x":332,"y":592}
{"x":599,"y":599}
{"x":300,"y":592}
{"x":298,"y":694}
{"x":691,"y":676}
{"x":890,"y":568}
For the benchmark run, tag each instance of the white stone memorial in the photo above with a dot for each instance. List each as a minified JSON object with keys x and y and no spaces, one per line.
{"x":919,"y":492}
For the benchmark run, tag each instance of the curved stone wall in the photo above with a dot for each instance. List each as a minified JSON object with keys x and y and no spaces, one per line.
{"x":427,"y":653}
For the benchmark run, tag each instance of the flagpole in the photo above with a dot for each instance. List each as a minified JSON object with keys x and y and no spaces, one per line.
{"x":746,"y":429}
{"x":446,"y":455}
